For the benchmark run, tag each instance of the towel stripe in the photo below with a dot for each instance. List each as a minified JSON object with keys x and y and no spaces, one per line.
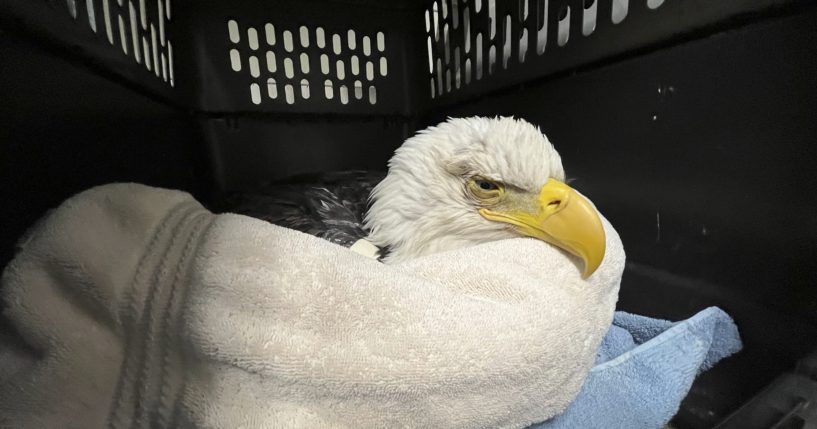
{"x":172,"y":358}
{"x":148,"y":278}
{"x":150,"y":381}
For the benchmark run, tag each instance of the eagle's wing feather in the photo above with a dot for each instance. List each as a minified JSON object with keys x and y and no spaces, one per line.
{"x":329,"y":205}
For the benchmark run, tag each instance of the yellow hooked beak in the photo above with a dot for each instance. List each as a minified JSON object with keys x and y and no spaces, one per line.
{"x":561,"y":217}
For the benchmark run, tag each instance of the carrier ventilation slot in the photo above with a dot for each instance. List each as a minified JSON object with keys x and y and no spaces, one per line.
{"x":295,"y":63}
{"x":470,"y":40}
{"x":136,"y":28}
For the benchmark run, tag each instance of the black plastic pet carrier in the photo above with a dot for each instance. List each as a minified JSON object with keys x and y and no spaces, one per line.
{"x":691,"y":124}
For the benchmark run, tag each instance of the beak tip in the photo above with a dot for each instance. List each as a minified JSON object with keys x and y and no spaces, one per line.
{"x":593,"y":261}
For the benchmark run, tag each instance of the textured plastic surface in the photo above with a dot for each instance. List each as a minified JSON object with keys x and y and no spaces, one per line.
{"x":788,"y":403}
{"x":302,"y":56}
{"x":121,"y":39}
{"x":531,"y":39}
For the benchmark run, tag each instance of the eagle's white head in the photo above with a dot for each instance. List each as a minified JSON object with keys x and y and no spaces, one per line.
{"x":472,"y":180}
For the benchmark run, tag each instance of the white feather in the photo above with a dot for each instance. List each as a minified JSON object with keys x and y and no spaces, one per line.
{"x":422,"y":205}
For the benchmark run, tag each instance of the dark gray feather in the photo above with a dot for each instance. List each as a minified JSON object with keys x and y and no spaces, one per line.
{"x":328,"y":205}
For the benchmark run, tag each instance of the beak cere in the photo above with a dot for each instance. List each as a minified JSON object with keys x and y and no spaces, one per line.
{"x":563,"y":218}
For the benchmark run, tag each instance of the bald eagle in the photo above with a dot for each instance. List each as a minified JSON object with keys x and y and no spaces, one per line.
{"x":462,"y":182}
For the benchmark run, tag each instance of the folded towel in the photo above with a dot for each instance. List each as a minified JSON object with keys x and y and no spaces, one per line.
{"x":146,"y":310}
{"x":644,"y":369}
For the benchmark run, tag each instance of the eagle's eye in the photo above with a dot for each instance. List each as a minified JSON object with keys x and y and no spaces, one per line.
{"x":484,"y":190}
{"x":486,"y":185}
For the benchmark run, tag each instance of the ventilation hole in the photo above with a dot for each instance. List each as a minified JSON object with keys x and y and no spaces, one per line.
{"x":367,"y":45}
{"x":304,"y":37}
{"x":232,"y":28}
{"x":384,"y":67}
{"x":428,"y":21}
{"x":436,"y":14}
{"x":134,"y":33}
{"x":162,"y":35}
{"x":149,"y":60}
{"x":289,"y":92}
{"x":143,"y":16}
{"x":354,"y":65}
{"x":336,"y":44}
{"x":457,"y":78}
{"x":146,"y":52}
{"x":466,"y":29}
{"x":358,"y":90}
{"x":445,"y":8}
{"x":524,"y":9}
{"x":446,"y":44}
{"x":430,"y":56}
{"x":344,"y":94}
{"x":589,"y":17}
{"x":324,"y":64}
{"x":491,"y":59}
{"x":289,"y":70}
{"x":381,"y":41}
{"x":564,"y":26}
{"x":457,"y":73}
{"x":272,"y":88}
{"x":304,"y":89}
{"x":255,"y":69}
{"x":369,"y":70}
{"x":320,"y":37}
{"x":123,"y":35}
{"x":341,"y":70}
{"x":351,"y":40}
{"x":154,"y":43}
{"x":455,"y":14}
{"x":255,"y":93}
{"x":167,"y":9}
{"x":467,"y":71}
{"x":288,"y":46}
{"x":479,"y":56}
{"x":235,"y":59}
{"x":620,"y":8}
{"x":72,"y":8}
{"x":654,"y":4}
{"x":542,"y":29}
{"x":272,"y":66}
{"x":252,"y":38}
{"x":89,"y":7}
{"x":440,"y":76}
{"x":477,"y":5}
{"x":304,"y":63}
{"x":448,"y":80}
{"x":506,"y":46}
{"x":269,"y":31}
{"x":170,"y":63}
{"x":492,"y":17}
{"x":106,"y":10}
{"x":164,"y":67}
{"x":523,"y":45}
{"x":328,"y":91}
{"x":372,"y":95}
{"x":433,"y":95}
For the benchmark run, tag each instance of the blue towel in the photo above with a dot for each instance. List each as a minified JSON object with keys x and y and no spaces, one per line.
{"x":644,"y":369}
